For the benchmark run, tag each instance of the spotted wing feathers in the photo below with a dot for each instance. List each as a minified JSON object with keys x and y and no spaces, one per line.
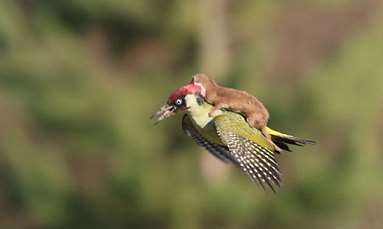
{"x":256,"y":161}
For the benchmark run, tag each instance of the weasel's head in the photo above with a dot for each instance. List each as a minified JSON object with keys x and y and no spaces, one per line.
{"x":204,"y":82}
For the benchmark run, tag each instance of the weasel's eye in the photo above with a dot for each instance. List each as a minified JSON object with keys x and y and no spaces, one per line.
{"x":178,"y":102}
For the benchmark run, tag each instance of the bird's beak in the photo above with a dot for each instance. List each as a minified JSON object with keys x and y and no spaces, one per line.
{"x":165,"y":112}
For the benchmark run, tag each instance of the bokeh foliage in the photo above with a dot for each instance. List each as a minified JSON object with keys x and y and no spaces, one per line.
{"x":80,"y":79}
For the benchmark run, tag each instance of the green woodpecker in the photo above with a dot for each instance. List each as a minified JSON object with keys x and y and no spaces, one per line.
{"x":228,"y":136}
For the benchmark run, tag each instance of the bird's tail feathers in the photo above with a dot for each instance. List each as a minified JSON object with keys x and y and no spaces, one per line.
{"x":282,"y":140}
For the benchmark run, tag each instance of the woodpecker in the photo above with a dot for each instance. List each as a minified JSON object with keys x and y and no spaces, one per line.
{"x":228,"y":136}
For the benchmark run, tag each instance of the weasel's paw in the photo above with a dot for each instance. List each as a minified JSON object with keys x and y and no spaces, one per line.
{"x":279,"y":150}
{"x":213,"y":113}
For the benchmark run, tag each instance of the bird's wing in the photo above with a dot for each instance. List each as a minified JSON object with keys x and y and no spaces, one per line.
{"x":218,"y":150}
{"x":249,"y":149}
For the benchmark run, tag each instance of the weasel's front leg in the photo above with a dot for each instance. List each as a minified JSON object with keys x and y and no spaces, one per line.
{"x":216,"y":108}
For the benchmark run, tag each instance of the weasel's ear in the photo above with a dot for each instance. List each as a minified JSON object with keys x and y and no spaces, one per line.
{"x":194,"y":79}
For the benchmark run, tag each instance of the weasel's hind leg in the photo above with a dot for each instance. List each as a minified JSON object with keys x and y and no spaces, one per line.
{"x":268,"y":138}
{"x":253,"y":121}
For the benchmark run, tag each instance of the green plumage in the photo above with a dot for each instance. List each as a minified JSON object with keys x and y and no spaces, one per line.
{"x":229,"y":137}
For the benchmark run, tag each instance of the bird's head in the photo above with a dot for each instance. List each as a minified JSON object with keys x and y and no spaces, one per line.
{"x":179,"y":100}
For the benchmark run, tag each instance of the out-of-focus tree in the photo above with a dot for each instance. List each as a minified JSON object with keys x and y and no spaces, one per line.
{"x":79,"y":80}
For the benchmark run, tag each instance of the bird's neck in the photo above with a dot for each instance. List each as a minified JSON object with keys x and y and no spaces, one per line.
{"x":199,"y":111}
{"x":200,"y":114}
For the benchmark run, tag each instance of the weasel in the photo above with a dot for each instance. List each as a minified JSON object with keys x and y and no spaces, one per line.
{"x":236,"y":100}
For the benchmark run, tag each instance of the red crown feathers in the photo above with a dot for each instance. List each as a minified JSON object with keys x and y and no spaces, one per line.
{"x":182,"y":91}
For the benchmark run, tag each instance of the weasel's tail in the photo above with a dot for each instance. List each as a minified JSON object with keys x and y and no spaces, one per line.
{"x":283,"y":140}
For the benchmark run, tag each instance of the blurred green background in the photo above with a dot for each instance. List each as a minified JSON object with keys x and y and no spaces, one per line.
{"x":79,"y":80}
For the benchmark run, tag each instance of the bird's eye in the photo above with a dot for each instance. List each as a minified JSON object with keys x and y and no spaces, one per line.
{"x":178,"y":102}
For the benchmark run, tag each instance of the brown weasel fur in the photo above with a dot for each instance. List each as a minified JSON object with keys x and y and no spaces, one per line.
{"x":236,"y":100}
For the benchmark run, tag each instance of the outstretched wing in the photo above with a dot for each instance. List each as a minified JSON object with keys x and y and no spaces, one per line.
{"x":248,"y":150}
{"x":220,"y":151}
